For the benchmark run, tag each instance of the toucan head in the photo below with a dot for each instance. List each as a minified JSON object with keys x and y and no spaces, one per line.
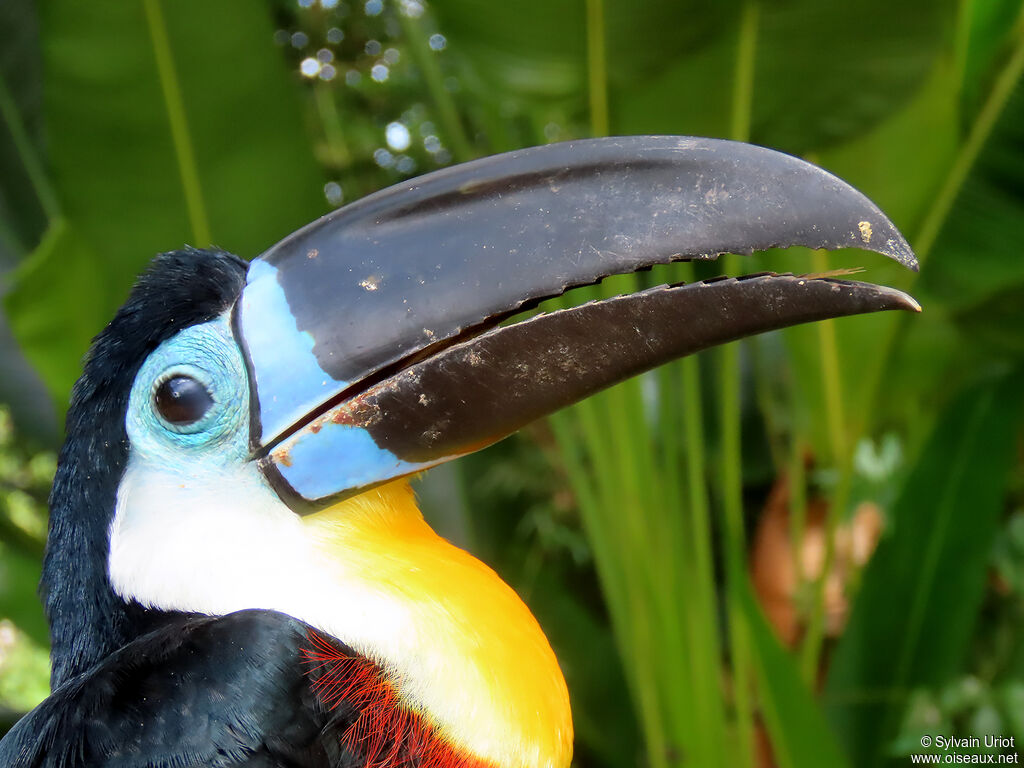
{"x":230,"y":404}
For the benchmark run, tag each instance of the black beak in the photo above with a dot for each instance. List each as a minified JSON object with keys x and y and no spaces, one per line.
{"x":371,"y":333}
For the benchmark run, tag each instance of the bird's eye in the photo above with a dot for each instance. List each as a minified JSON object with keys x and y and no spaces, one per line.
{"x":181,"y":400}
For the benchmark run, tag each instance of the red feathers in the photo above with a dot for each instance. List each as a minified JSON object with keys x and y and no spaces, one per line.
{"x":385,"y":733}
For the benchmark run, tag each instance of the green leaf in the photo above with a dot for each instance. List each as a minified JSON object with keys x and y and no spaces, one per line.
{"x":899,"y":164}
{"x":983,"y":32}
{"x":19,"y":577}
{"x":26,"y":200}
{"x":978,"y":250}
{"x":970,"y":277}
{"x":59,"y":301}
{"x":170,"y":123}
{"x":536,"y":49}
{"x":975,"y":268}
{"x":823,"y":72}
{"x":111,"y":93}
{"x":1011,"y":696}
{"x":995,"y":323}
{"x":921,"y":591}
{"x":827,"y":72}
{"x":800,"y":735}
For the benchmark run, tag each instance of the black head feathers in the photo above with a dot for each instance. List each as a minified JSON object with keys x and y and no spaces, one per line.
{"x":87,"y":620}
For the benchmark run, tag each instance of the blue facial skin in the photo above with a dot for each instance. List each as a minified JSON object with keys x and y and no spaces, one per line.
{"x":289,"y":380}
{"x":365,"y":463}
{"x":207,"y":353}
{"x":321,"y":463}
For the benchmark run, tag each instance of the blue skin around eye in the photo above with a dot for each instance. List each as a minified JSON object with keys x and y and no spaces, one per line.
{"x":289,"y":380}
{"x":334,"y":459}
{"x":321,"y":464}
{"x":208,"y":353}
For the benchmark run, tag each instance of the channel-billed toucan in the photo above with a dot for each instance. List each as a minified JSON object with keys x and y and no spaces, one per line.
{"x":237,"y":572}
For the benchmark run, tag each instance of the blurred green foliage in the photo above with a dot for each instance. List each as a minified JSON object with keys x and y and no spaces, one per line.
{"x":25,"y":477}
{"x":624,"y":521}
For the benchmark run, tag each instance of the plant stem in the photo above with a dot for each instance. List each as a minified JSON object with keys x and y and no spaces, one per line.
{"x":830,"y":376}
{"x":29,"y":157}
{"x":426,"y":60}
{"x":707,"y":661}
{"x":175,"y":105}
{"x":961,"y":43}
{"x":832,"y":385}
{"x":763,"y":394}
{"x":797,"y":487}
{"x":981,"y":128}
{"x":1005,"y":82}
{"x":337,"y":147}
{"x":730,"y":406}
{"x":743,"y":79}
{"x":979,"y":133}
{"x":597,"y":68}
{"x":730,"y":409}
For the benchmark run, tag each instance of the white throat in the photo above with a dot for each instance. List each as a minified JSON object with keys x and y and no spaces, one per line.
{"x":225,"y":544}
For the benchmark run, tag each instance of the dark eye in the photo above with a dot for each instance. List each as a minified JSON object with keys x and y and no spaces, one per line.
{"x":182,"y":400}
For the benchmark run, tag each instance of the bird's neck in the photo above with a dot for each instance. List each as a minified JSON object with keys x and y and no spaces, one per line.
{"x":457,"y":642}
{"x":454,"y":641}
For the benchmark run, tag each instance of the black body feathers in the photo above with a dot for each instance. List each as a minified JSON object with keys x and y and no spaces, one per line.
{"x":200,"y":691}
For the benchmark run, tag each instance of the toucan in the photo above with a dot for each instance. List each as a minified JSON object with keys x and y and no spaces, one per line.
{"x":237,"y":573}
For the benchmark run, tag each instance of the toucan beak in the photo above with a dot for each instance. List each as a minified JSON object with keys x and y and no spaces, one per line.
{"x":372,"y":334}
